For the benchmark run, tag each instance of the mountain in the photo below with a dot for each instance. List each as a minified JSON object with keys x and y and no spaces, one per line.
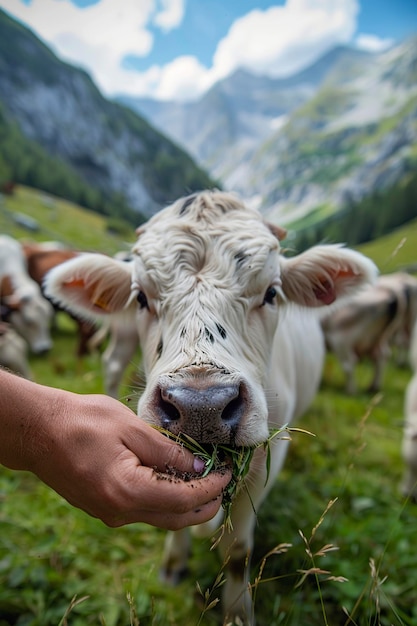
{"x":300,"y":148}
{"x":327,"y":136}
{"x":106,"y":145}
{"x":354,"y":138}
{"x":230,"y":121}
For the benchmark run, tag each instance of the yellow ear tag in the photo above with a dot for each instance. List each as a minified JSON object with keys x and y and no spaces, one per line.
{"x":78,"y":283}
{"x":100,"y":304}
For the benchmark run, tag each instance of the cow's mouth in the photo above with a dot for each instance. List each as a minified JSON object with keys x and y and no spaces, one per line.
{"x":217,"y":458}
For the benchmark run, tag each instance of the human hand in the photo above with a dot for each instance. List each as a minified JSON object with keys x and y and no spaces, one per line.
{"x":108,"y":462}
{"x":102,"y":458}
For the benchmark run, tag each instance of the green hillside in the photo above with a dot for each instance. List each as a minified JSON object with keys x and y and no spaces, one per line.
{"x":56,"y":219}
{"x":395,"y":251}
{"x":60,"y":134}
{"x":80,"y":228}
{"x":375,"y":216}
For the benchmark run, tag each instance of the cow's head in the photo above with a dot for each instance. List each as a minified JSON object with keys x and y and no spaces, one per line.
{"x":207,"y":284}
{"x":29,"y":313}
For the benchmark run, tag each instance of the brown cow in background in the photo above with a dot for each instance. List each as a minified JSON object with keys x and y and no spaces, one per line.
{"x":42,"y":257}
{"x":22,"y":303}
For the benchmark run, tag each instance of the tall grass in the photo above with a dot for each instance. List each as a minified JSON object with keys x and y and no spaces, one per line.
{"x":335,"y":542}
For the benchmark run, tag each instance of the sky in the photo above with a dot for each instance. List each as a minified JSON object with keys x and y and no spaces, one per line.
{"x":177,"y":49}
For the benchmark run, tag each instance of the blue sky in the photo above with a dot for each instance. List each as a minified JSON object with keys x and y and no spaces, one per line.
{"x":176,"y":49}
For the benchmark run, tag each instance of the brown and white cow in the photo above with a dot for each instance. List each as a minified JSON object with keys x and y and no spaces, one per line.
{"x":40,"y":259}
{"x":23,"y":304}
{"x":231,"y":346}
{"x":364,"y":327}
{"x":409,"y":441}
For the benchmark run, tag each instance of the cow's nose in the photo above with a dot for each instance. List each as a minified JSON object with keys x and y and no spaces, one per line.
{"x":209,"y":415}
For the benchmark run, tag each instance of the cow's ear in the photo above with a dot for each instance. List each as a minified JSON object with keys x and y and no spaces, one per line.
{"x":324,"y":274}
{"x":91,"y":284}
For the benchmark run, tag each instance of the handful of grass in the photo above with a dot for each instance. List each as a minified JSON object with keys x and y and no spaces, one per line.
{"x":218,"y":456}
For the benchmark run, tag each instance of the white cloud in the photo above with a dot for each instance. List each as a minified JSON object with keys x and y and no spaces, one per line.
{"x":117,"y":26}
{"x":171,"y":14}
{"x":99,"y":36}
{"x":284,"y":39}
{"x":373,"y":43}
{"x":277,"y":41}
{"x":182,"y":79}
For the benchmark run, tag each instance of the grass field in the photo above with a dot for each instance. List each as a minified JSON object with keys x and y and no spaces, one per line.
{"x":58,"y":220}
{"x":60,"y":567}
{"x":51,"y":552}
{"x":396,"y":251}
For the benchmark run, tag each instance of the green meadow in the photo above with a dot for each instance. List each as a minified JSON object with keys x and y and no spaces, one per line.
{"x":335,"y":541}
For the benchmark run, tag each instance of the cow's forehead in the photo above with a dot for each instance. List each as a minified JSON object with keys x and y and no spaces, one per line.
{"x":210,"y":234}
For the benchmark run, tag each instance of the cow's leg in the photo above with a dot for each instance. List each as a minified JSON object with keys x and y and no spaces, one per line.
{"x":409,"y":454}
{"x":176,"y":554}
{"x":379,"y":358}
{"x":236,"y":546}
{"x":409,"y":482}
{"x":178,"y":548}
{"x":348,"y":362}
{"x":86,"y":330}
{"x":116,"y":358}
{"x":409,"y":441}
{"x":347,"y":359}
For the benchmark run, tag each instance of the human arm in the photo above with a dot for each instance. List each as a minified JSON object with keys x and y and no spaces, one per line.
{"x":97,"y":454}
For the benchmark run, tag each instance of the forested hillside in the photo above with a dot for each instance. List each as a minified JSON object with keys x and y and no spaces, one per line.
{"x":364,"y":221}
{"x":24,"y":161}
{"x":334,"y":144}
{"x":58,"y":133}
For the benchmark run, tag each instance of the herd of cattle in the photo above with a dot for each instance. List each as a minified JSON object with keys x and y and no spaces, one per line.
{"x":222,"y":318}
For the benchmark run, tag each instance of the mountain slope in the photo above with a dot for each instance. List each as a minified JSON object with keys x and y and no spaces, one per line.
{"x":227,"y":124}
{"x":324,"y":138}
{"x":355,"y":137}
{"x":108,"y":145}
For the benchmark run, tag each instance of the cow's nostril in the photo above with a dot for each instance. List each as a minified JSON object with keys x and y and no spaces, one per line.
{"x":169,"y":411}
{"x":234,"y":410}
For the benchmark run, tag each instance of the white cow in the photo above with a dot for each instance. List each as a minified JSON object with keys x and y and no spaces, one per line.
{"x":364,"y":327}
{"x":230,"y":347}
{"x":409,"y":442}
{"x":405,"y":285}
{"x":27,"y":310}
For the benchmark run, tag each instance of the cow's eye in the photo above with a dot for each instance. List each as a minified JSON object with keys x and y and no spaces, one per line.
{"x":270,"y":294}
{"x":142,"y":300}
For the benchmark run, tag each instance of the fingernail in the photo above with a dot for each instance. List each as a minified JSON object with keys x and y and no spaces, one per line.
{"x":199,"y":465}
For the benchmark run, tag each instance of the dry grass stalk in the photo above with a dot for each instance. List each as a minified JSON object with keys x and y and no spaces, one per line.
{"x":313,"y":555}
{"x":74,"y":602}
